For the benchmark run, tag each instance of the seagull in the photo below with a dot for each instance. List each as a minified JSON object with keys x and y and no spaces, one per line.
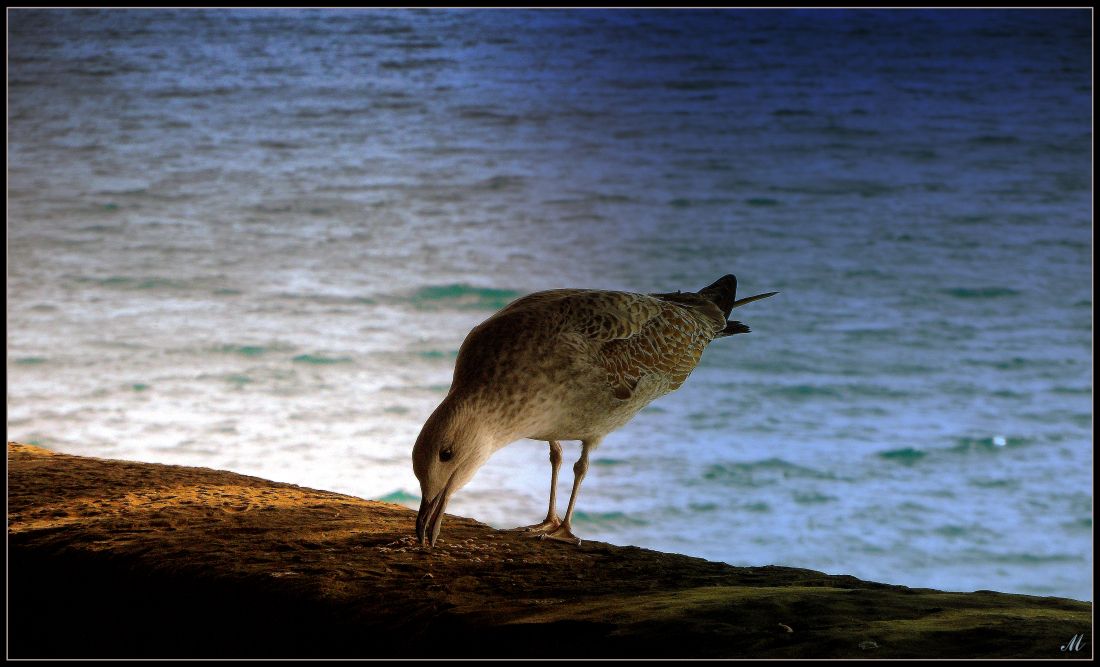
{"x":563,"y":364}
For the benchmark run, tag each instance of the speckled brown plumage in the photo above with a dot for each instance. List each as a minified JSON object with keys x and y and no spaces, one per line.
{"x":594,"y":357}
{"x":567,"y":364}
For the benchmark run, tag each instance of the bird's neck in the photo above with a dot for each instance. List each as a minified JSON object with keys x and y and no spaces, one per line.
{"x":466,"y":418}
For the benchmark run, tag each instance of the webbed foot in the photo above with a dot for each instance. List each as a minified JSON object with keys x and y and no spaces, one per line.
{"x":549,"y":524}
{"x":562,"y":534}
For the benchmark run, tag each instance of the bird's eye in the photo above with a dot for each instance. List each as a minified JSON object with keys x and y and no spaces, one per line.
{"x":446,"y":455}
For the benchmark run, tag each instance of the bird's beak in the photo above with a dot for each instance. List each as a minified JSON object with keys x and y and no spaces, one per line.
{"x":750,"y":299}
{"x":430,"y":517}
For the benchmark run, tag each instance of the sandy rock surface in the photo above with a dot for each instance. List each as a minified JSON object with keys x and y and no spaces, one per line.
{"x":126,"y":559}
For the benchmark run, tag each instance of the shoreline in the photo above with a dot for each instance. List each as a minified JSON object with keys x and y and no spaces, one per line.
{"x":113,"y":558}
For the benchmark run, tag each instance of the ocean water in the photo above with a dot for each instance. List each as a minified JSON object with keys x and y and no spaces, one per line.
{"x":254,"y":240}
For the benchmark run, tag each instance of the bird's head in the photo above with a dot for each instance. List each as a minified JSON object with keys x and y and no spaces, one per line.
{"x":447,"y":453}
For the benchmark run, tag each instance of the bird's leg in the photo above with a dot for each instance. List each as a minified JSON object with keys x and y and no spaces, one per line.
{"x":551,"y":522}
{"x":564,"y":532}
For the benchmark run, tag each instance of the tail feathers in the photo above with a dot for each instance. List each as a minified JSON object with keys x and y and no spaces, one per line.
{"x":723,"y":292}
{"x":733,"y":327}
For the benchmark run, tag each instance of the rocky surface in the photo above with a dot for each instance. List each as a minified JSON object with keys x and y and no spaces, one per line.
{"x":125,"y":559}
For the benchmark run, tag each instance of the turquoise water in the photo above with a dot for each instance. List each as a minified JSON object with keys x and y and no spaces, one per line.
{"x":255,"y":240}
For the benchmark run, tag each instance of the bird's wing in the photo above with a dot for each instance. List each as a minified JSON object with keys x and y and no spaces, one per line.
{"x":603,"y":316}
{"x":637,"y":335}
{"x":626,"y":335}
{"x":598,"y":315}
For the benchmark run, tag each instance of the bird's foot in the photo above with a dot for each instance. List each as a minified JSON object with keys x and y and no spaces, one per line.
{"x":547,"y":525}
{"x":561,"y":534}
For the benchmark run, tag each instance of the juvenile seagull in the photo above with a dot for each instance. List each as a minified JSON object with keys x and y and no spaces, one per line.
{"x":565,"y":364}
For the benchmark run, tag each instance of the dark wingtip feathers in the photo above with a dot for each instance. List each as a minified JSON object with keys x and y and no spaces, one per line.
{"x":734,"y":327}
{"x":723,"y":292}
